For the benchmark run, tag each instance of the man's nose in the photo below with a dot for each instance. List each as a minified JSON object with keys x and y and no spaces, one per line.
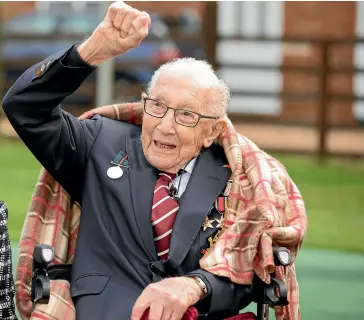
{"x":167,"y":125}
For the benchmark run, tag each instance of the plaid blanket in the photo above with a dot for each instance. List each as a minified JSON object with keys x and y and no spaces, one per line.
{"x":265,"y":208}
{"x":7,"y":291}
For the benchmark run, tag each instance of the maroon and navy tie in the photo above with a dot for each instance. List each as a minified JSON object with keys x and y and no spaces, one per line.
{"x":164,"y":212}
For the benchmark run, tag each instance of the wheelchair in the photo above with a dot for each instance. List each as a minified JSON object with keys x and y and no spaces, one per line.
{"x":264,"y":295}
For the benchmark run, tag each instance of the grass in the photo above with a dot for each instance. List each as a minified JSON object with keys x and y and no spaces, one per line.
{"x":334,"y":195}
{"x":19,"y":171}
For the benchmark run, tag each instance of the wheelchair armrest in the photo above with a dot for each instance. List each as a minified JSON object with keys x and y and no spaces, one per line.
{"x":275,"y":293}
{"x":60,"y":272}
{"x":42,"y":257}
{"x":282,"y":256}
{"x":42,"y":273}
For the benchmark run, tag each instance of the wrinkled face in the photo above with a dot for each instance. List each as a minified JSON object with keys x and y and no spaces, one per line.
{"x":169,"y":146}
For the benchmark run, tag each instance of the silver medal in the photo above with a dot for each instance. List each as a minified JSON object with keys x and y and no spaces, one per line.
{"x":115,"y":172}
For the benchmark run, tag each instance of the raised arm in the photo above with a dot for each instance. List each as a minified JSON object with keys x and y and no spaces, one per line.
{"x":57,"y":139}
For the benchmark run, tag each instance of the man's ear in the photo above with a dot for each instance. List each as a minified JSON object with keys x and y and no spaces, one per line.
{"x":143,"y":95}
{"x":216,"y":130}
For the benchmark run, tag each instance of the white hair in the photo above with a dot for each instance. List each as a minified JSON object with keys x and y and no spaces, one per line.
{"x":202,"y":74}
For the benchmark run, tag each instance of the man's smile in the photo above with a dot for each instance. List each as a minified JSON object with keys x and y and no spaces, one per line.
{"x":164,"y":145}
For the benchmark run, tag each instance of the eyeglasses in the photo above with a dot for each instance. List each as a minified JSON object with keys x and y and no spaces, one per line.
{"x":183,"y":117}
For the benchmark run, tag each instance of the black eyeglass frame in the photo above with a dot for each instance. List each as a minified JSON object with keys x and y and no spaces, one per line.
{"x":200,"y":116}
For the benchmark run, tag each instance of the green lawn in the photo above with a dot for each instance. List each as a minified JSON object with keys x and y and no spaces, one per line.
{"x":334,"y":195}
{"x":19,"y":171}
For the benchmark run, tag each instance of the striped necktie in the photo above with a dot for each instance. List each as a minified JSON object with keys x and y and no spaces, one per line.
{"x":164,"y":212}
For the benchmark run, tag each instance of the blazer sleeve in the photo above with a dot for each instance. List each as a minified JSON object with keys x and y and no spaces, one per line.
{"x":58,"y":140}
{"x":7,"y":291}
{"x":222,"y":294}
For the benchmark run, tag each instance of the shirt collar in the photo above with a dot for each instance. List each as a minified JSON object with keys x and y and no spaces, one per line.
{"x":190,"y":165}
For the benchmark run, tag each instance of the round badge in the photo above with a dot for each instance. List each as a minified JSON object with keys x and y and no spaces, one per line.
{"x":115,"y":172}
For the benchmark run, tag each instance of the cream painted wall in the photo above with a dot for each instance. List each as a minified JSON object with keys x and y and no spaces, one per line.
{"x":251,"y":19}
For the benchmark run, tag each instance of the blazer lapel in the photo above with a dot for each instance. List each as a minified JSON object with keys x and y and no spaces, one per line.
{"x":143,"y":178}
{"x":207,"y":181}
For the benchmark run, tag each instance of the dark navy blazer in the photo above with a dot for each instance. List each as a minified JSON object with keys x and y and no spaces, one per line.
{"x":116,"y":257}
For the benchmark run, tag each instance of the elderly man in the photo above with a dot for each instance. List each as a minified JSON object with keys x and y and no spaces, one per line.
{"x":127,"y":209}
{"x":154,"y":197}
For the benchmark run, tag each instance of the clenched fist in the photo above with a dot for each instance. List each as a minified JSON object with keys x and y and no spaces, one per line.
{"x":122,"y":29}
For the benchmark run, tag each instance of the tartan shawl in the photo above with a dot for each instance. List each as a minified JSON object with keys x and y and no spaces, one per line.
{"x":265,"y":208}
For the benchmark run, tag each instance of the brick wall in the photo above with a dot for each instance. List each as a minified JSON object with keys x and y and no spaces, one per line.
{"x":168,"y":8}
{"x":9,"y":10}
{"x":318,"y":19}
{"x":305,"y":19}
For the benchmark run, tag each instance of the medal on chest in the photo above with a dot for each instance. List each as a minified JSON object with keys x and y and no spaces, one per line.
{"x":120,"y":161}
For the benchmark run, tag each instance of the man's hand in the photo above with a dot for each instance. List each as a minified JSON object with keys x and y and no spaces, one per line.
{"x":167,"y":299}
{"x":122,"y":29}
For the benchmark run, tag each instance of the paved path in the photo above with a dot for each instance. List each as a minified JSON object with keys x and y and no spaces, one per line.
{"x":273,"y":136}
{"x":269,"y":136}
{"x":331,"y":285}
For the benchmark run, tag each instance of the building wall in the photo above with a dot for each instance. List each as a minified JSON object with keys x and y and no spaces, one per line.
{"x":358,"y":108}
{"x":168,"y":8}
{"x":9,"y":9}
{"x":275,"y":19}
{"x":250,"y":19}
{"x":320,"y":20}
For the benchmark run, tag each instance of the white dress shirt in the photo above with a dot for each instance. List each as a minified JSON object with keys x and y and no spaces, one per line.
{"x":184,"y":177}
